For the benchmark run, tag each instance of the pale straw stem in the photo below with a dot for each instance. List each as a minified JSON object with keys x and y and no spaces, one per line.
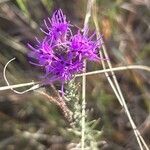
{"x":86,"y":21}
{"x":121,"y":68}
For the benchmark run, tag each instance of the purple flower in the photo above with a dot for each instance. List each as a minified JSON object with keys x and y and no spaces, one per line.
{"x":43,"y":53}
{"x":85,"y":47}
{"x":58,"y":27}
{"x":60,"y":53}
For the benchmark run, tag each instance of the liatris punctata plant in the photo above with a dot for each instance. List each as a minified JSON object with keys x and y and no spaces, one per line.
{"x":62,"y":54}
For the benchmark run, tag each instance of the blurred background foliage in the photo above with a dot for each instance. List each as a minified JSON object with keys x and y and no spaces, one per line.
{"x":29,"y":121}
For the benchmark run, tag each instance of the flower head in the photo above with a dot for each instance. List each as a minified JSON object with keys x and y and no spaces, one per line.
{"x":43,"y":52}
{"x":85,"y":47}
{"x":60,"y":53}
{"x":58,"y":27}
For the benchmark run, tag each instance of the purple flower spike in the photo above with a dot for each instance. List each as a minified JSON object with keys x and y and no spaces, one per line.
{"x":60,"y":53}
{"x":85,"y":47}
{"x":43,"y":53}
{"x":58,"y":27}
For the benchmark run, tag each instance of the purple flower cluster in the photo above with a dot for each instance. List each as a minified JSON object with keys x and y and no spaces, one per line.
{"x":61,"y":53}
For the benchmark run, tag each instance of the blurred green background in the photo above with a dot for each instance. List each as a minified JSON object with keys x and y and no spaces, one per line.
{"x":29,"y":121}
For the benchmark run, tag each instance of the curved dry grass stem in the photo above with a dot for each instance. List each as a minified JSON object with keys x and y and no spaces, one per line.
{"x":116,"y":87}
{"x":121,"y":68}
{"x":36,"y":86}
